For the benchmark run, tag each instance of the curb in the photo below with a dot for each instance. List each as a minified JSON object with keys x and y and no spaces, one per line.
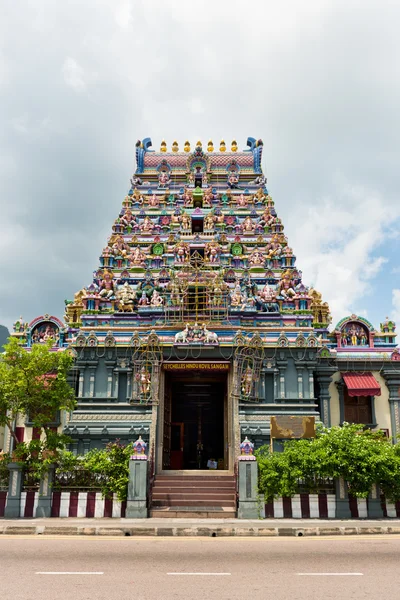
{"x":197,"y":531}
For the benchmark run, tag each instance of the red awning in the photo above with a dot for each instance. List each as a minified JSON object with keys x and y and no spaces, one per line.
{"x":361,"y":384}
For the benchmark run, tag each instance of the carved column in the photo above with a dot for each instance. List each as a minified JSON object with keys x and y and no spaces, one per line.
{"x":110,"y":366}
{"x":393,"y":385}
{"x":311,"y":382}
{"x":116,"y":383}
{"x":282,"y":383}
{"x":300,"y":391}
{"x":129,"y":383}
{"x":92,"y":377}
{"x":81,"y":381}
{"x":324,"y":377}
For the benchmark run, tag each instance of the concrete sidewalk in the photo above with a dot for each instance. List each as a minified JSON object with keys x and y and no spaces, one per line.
{"x":197,"y":527}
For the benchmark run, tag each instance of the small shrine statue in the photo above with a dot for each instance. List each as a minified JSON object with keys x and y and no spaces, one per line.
{"x":144,"y":381}
{"x":163,"y":179}
{"x":256,"y":258}
{"x":212,"y":252}
{"x":248,"y":226}
{"x":143,"y":300}
{"x":19,"y":326}
{"x":128,"y":219}
{"x":107,"y":285}
{"x":181,"y":252}
{"x":236,"y":296}
{"x":209,"y":221}
{"x":233,"y":179}
{"x":286,"y":286}
{"x":187,"y":198}
{"x":242,"y":201}
{"x":126,"y":298}
{"x":186,"y":221}
{"x":119,"y":247}
{"x":135,"y":180}
{"x":353,"y":335}
{"x":209,"y":337}
{"x":246,"y":447}
{"x":147,"y":226}
{"x":137,"y":257}
{"x":247,"y":381}
{"x":266,"y":218}
{"x":156,"y":299}
{"x":154,"y":201}
{"x":139,"y":447}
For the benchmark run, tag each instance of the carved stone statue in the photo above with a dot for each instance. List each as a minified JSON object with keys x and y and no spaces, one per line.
{"x":147,"y":226}
{"x":286,"y":286}
{"x":126,"y":298}
{"x":247,"y":381}
{"x":156,"y":299}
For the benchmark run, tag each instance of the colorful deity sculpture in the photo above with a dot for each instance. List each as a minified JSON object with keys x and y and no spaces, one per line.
{"x":248,"y":225}
{"x":126,"y":298}
{"x":128,"y":219}
{"x":236,"y":296}
{"x":107,"y":284}
{"x":181,"y":252}
{"x":286,"y":286}
{"x":156,"y":300}
{"x":186,"y":221}
{"x":256,"y":258}
{"x":143,"y":300}
{"x":119,"y":246}
{"x":144,"y":381}
{"x":246,"y":382}
{"x":154,"y":201}
{"x":233,"y":179}
{"x":163,"y":179}
{"x":209,"y":221}
{"x":137,"y":257}
{"x":266,"y":218}
{"x":147,"y":226}
{"x":242,"y":201}
{"x":212,"y":252}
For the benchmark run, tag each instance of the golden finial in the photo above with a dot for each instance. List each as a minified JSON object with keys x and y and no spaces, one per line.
{"x":186,"y":146}
{"x":210,"y":146}
{"x":163,"y":147}
{"x":222,"y":147}
{"x":175,"y":147}
{"x":199,"y":144}
{"x":234,"y":146}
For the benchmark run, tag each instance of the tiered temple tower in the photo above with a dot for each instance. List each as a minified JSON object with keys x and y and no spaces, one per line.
{"x":197,"y":326}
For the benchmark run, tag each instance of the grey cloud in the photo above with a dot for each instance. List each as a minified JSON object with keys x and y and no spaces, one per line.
{"x":318,"y":82}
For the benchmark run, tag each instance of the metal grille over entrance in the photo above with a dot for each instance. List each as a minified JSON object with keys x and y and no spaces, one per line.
{"x":197,"y":290}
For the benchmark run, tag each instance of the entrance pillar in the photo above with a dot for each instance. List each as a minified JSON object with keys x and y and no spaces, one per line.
{"x":136,"y":506}
{"x":249,"y":507}
{"x":13,"y":503}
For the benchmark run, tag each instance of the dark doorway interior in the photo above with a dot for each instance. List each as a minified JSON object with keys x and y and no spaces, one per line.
{"x":197,"y":420}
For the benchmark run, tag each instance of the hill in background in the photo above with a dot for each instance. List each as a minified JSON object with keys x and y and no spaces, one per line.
{"x":4,"y":335}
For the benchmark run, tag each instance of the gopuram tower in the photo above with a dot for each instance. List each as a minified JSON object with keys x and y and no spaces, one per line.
{"x":197,"y":325}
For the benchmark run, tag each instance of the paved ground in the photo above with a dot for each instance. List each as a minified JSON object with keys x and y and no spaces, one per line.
{"x":198,"y":527}
{"x":209,"y":568}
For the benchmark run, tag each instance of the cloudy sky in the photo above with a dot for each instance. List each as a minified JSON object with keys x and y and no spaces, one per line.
{"x":318,"y":81}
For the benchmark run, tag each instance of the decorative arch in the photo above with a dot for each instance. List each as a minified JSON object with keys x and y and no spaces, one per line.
{"x":354,"y":332}
{"x":45,"y":328}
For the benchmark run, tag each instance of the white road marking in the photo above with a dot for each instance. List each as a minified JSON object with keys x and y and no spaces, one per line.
{"x":69,"y":573}
{"x":324,"y":574}
{"x":199,"y":573}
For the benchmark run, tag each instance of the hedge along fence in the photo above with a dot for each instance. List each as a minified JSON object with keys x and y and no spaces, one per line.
{"x":361,"y":457}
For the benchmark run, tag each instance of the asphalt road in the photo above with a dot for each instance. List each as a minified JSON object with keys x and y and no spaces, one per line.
{"x":191,"y":568}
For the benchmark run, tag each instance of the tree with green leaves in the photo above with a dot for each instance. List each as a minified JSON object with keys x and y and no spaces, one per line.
{"x":34,"y":383}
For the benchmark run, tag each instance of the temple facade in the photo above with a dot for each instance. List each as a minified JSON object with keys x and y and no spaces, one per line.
{"x":197,"y":326}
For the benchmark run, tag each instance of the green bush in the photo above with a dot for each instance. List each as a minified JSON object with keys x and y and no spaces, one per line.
{"x":361,"y":457}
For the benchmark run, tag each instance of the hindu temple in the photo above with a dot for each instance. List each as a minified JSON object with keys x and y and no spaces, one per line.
{"x":197,"y":326}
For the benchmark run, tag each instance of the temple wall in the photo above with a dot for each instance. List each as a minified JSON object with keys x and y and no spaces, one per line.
{"x":334,"y":394}
{"x":382,"y":408}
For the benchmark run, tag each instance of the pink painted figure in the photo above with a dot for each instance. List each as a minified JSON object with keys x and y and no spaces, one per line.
{"x":248,"y":225}
{"x":212,"y":252}
{"x":137,"y":257}
{"x":143,"y":300}
{"x":154,"y":201}
{"x":156,"y":299}
{"x":147,"y":226}
{"x":242,"y":200}
{"x":286,"y":285}
{"x":128,"y":218}
{"x":107,"y":284}
{"x":256,"y":257}
{"x":163,"y":178}
{"x":181,"y":252}
{"x":119,"y":247}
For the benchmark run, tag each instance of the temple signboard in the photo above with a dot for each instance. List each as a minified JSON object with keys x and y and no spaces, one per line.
{"x":196,"y":366}
{"x":292,"y":427}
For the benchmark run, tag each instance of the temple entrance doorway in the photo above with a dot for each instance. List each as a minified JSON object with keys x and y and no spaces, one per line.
{"x":195,"y":424}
